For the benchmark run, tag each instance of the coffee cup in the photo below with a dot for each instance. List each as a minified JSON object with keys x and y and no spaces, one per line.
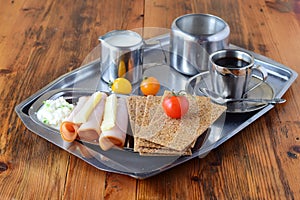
{"x":121,"y":55}
{"x":231,"y":72}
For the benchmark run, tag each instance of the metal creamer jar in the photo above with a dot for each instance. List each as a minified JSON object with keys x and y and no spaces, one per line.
{"x":121,"y":56}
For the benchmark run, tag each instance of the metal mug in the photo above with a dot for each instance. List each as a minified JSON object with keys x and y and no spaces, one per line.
{"x":231,"y":73}
{"x":121,"y":55}
{"x":193,"y":38}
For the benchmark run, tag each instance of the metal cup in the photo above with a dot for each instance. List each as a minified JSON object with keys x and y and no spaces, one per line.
{"x":231,"y":72}
{"x":121,"y":56}
{"x":193,"y":38}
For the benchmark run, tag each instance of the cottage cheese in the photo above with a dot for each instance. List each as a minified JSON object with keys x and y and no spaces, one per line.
{"x":54,"y":112}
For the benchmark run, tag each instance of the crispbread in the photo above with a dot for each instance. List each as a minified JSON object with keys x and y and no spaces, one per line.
{"x":178,"y":134}
{"x":145,"y":147}
{"x":141,"y":145}
{"x":140,"y":102}
{"x":151,"y":105}
{"x":148,"y":111}
{"x":150,"y":108}
{"x":140,"y":108}
{"x":156,"y":134}
{"x":148,"y":144}
{"x":163,"y":151}
{"x":131,"y":107}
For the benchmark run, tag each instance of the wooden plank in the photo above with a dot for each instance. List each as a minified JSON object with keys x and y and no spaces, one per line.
{"x":119,"y":187}
{"x":22,"y":152}
{"x":22,"y":155}
{"x":177,"y":183}
{"x":83,"y":181}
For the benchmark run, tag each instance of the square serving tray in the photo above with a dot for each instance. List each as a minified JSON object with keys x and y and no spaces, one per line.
{"x":87,"y":79}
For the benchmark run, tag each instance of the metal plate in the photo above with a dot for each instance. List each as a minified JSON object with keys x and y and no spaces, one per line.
{"x":87,"y":78}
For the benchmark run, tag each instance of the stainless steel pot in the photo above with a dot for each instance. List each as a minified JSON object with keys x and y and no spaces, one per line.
{"x":193,"y":38}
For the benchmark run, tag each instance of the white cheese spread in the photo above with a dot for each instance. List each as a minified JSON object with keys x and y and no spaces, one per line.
{"x":54,"y":112}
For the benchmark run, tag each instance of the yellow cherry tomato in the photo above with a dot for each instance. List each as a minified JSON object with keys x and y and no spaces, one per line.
{"x":121,"y":86}
{"x":150,"y":86}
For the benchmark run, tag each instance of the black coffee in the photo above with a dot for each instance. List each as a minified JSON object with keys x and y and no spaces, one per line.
{"x":231,"y":62}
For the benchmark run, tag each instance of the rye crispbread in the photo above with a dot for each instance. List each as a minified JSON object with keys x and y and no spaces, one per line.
{"x":178,"y":134}
{"x":139,"y":112}
{"x":131,"y":107}
{"x":156,"y":134}
{"x":146,"y":112}
{"x":163,"y":151}
{"x":140,"y":108}
{"x":151,"y":105}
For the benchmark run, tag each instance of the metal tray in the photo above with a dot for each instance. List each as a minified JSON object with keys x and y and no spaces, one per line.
{"x":86,"y":79}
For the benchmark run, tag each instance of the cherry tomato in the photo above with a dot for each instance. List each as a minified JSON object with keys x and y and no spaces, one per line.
{"x":121,"y":86}
{"x":150,"y":86}
{"x":175,"y":106}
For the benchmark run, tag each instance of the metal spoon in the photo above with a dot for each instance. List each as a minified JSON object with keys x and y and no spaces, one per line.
{"x":218,"y":99}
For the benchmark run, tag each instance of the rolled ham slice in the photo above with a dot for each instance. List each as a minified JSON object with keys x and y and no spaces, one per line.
{"x":116,"y":135}
{"x":90,"y":130}
{"x":68,"y":129}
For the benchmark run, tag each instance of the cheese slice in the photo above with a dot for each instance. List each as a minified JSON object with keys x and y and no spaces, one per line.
{"x":110,"y":113}
{"x":83,"y":115}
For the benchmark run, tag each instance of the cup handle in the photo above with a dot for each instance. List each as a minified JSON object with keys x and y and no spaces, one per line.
{"x":264,"y":76}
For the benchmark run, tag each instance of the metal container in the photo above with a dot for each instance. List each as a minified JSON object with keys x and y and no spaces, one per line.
{"x":121,"y":55}
{"x":193,"y":38}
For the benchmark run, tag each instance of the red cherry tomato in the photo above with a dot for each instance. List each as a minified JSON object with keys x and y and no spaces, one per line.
{"x":175,"y":106}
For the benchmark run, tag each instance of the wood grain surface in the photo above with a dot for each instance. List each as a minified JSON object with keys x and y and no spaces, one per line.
{"x":42,"y":40}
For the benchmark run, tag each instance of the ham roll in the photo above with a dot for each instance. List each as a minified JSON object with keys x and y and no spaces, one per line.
{"x":84,"y":121}
{"x":116,"y":135}
{"x":90,"y":130}
{"x":68,"y":129}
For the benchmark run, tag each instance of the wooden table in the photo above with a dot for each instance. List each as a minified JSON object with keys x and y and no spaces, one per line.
{"x":42,"y":40}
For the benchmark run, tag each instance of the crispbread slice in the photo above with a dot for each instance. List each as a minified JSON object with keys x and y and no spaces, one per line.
{"x":131,"y":107}
{"x":148,"y":144}
{"x":151,"y":105}
{"x":149,"y":110}
{"x":140,"y":108}
{"x":135,"y":106}
{"x":178,"y":134}
{"x":147,"y":147}
{"x":145,"y":105}
{"x":163,"y":152}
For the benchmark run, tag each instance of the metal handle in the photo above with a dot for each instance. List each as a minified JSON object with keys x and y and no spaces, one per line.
{"x":269,"y":101}
{"x":264,"y":76}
